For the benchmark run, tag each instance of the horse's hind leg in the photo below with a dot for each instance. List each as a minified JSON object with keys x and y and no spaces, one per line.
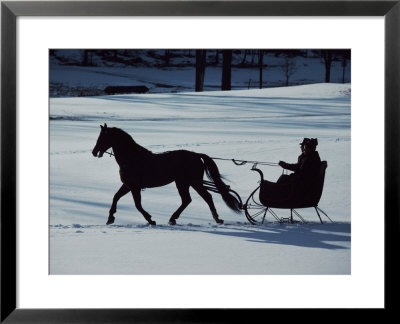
{"x":138,"y":203}
{"x":208,"y":198}
{"x":120,"y":193}
{"x":183,"y":190}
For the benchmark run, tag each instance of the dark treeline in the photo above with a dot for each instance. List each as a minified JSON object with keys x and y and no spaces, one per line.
{"x":200,"y":59}
{"x":255,"y":58}
{"x":182,"y":57}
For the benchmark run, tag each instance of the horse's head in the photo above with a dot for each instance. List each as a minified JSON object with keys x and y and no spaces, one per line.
{"x":103,"y":142}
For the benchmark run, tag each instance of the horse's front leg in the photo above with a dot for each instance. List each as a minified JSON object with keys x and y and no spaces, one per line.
{"x":138,"y":203}
{"x":120,"y":193}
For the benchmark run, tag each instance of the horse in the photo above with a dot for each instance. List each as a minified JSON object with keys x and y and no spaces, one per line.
{"x":140,"y":168}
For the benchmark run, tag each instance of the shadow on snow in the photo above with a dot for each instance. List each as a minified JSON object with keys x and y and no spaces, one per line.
{"x":330,"y":236}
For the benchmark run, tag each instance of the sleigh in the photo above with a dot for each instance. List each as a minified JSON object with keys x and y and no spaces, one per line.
{"x":293,"y":196}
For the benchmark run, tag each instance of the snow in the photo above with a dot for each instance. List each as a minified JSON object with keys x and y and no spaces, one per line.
{"x":261,"y":125}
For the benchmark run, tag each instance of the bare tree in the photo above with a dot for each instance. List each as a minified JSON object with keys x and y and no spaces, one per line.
{"x":253,"y":53}
{"x":244,"y":57}
{"x":327,"y":57}
{"x":216,"y":57}
{"x":289,"y":68}
{"x":345,"y":56}
{"x":167,"y":57}
{"x":85,"y":58}
{"x":260,"y":65}
{"x":226,"y":69}
{"x":200,"y":69}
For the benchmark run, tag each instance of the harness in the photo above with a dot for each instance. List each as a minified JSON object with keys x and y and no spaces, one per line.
{"x":235,"y":161}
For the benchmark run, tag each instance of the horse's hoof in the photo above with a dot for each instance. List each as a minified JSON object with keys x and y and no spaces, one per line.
{"x":110,"y":220}
{"x":219,"y":221}
{"x":172,"y":222}
{"x":152,"y":222}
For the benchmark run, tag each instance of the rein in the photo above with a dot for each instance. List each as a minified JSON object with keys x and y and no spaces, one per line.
{"x":235,"y":161}
{"x":109,"y":153}
{"x":243,"y":162}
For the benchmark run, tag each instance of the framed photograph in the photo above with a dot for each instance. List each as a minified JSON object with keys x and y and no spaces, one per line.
{"x":201,"y":207}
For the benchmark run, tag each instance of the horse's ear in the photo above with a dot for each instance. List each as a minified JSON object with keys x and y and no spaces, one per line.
{"x":105,"y":125}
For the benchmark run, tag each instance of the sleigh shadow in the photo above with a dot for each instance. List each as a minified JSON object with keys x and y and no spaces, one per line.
{"x":313,"y":235}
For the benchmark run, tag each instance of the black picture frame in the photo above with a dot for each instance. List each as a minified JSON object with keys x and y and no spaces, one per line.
{"x":10,"y":10}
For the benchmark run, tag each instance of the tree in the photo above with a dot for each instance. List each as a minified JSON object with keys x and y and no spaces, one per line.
{"x":167,"y":57}
{"x":244,"y":57}
{"x":216,"y":57}
{"x":200,"y":69}
{"x":344,"y":55}
{"x":85,"y":58}
{"x":226,"y":69}
{"x":289,"y":68}
{"x":327,"y":57}
{"x":253,"y":53}
{"x":260,"y":64}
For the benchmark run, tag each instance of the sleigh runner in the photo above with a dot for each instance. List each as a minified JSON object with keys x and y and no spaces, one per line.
{"x":291,"y":196}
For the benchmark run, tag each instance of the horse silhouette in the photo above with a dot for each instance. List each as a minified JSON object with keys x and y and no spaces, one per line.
{"x":140,"y":168}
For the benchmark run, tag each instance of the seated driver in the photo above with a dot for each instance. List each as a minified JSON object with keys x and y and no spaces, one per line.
{"x":308,"y":164}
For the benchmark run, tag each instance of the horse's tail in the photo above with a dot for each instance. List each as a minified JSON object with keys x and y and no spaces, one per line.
{"x":213,"y":174}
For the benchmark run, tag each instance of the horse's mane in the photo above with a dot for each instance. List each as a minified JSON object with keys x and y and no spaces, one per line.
{"x":126,"y":139}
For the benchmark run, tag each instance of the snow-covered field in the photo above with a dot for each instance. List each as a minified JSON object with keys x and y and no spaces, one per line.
{"x":262,"y":125}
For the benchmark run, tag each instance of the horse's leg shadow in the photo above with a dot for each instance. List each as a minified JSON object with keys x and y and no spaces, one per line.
{"x":183,"y":190}
{"x":138,"y":203}
{"x":120,"y":193}
{"x":202,"y":191}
